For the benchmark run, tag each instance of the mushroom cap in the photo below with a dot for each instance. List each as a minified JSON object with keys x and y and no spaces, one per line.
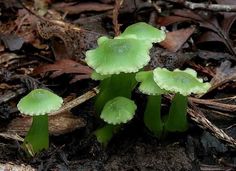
{"x":118,"y":110}
{"x":114,"y":56}
{"x":148,"y":85}
{"x":39,"y":102}
{"x":184,"y":82}
{"x":144,"y":32}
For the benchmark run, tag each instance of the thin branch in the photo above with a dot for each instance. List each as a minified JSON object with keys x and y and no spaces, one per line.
{"x":205,"y":6}
{"x":116,"y":24}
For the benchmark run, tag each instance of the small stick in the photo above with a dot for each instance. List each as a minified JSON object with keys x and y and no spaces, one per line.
{"x":115,"y":17}
{"x":77,"y":101}
{"x":205,"y":6}
{"x":197,"y":116}
{"x":8,"y":135}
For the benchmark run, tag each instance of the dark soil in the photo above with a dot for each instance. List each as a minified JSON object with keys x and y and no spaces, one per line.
{"x":131,"y":149}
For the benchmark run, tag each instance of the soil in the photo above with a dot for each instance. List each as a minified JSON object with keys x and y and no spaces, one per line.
{"x":133,"y":148}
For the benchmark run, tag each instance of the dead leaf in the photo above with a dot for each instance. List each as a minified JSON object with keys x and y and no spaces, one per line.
{"x":58,"y":124}
{"x":211,"y":22}
{"x":224,"y":74}
{"x":77,"y":8}
{"x":65,"y":66}
{"x":168,"y":20}
{"x":174,"y":40}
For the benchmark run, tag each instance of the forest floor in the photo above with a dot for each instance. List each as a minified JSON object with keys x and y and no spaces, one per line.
{"x":43,"y":45}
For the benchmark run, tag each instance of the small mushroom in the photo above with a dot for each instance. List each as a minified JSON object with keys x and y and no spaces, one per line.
{"x":118,"y":110}
{"x":38,"y":103}
{"x":182,"y":83}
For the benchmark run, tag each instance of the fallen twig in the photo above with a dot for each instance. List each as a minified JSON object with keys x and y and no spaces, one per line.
{"x":205,"y":6}
{"x":215,"y":105}
{"x":13,"y":136}
{"x":115,"y":17}
{"x":197,"y":116}
{"x":81,"y":99}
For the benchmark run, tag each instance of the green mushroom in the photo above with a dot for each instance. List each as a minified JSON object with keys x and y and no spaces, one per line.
{"x":115,"y":62}
{"x":122,"y":108}
{"x":182,"y":83}
{"x":152,"y":114}
{"x":143,"y":32}
{"x":38,"y":103}
{"x":114,"y":56}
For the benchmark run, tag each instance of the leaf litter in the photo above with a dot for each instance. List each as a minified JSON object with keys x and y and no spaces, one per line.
{"x":33,"y":47}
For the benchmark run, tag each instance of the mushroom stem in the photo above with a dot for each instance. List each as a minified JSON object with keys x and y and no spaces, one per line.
{"x":114,"y":86}
{"x":177,"y":118}
{"x":110,"y":88}
{"x":37,"y":137}
{"x":152,"y":115}
{"x":105,"y":133}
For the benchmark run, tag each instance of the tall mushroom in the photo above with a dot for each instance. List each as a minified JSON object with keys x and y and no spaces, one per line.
{"x":152,"y":114}
{"x":38,"y":104}
{"x":182,"y":83}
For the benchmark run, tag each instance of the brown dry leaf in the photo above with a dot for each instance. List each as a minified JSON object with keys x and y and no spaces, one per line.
{"x":21,"y":30}
{"x":77,"y":8}
{"x":65,"y":66}
{"x":217,"y":30}
{"x":224,"y":74}
{"x":206,"y":21}
{"x":174,"y":40}
{"x":58,"y":124}
{"x":168,"y":20}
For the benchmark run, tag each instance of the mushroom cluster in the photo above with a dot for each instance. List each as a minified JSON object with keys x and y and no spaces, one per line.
{"x":161,"y":81}
{"x":115,"y":63}
{"x":182,"y":83}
